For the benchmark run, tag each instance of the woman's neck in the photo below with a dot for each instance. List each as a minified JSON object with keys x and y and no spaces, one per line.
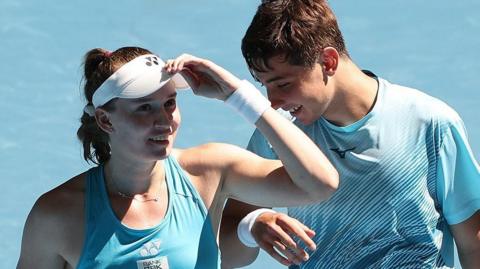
{"x":131,"y":178}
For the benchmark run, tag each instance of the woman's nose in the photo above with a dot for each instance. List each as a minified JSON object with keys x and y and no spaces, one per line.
{"x":163,"y":120}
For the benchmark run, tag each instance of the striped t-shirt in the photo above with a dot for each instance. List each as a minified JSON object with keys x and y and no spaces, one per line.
{"x":406,"y":173}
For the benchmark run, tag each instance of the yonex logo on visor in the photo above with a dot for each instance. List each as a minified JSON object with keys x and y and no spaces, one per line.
{"x":151,"y":60}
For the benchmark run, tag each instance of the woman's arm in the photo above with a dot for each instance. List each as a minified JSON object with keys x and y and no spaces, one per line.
{"x":40,"y":239}
{"x":54,"y":230}
{"x":302,"y":175}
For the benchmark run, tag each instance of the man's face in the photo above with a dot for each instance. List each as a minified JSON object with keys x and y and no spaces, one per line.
{"x":301,"y":90}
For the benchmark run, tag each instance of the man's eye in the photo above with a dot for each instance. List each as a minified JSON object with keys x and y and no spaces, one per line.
{"x":283,"y":85}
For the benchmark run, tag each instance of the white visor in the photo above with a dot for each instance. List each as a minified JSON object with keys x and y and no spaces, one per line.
{"x":140,"y":77}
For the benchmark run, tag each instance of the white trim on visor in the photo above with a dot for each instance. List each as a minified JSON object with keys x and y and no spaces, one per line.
{"x":138,"y":78}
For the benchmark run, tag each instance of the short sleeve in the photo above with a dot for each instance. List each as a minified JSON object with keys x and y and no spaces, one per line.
{"x":458,"y":175}
{"x":259,"y":145}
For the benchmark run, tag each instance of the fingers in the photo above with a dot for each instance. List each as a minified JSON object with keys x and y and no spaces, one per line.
{"x":292,"y":251}
{"x":274,"y":254}
{"x":296,"y":228}
{"x":176,"y":65}
{"x":308,"y":231}
{"x":299,"y":230}
{"x":282,"y":247}
{"x":189,"y":67}
{"x":272,"y":247}
{"x":274,"y":234}
{"x":285,"y":238}
{"x":292,"y":256}
{"x":207,"y":71}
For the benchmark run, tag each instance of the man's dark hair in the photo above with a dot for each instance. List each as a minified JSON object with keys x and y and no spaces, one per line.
{"x":297,"y":29}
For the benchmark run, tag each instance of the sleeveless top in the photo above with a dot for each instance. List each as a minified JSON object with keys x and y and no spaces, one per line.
{"x":183,"y":239}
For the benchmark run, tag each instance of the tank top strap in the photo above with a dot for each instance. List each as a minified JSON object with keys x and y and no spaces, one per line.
{"x":93,"y":187}
{"x":181,"y":183}
{"x":92,"y":206}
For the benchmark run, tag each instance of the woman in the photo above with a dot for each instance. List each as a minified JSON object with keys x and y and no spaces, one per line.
{"x":147,"y":204}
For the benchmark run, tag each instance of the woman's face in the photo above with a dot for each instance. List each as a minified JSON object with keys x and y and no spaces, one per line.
{"x":145,"y":128}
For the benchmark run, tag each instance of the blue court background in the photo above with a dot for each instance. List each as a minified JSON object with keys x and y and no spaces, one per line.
{"x":430,"y":45}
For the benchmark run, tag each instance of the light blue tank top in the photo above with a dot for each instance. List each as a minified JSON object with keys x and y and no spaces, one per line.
{"x":183,"y":239}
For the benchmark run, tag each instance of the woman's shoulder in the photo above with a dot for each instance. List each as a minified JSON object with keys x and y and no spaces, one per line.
{"x":56,"y":220}
{"x":62,"y":203}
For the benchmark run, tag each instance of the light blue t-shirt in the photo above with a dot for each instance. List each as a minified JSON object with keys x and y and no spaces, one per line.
{"x":184,"y":239}
{"x":406,"y":173}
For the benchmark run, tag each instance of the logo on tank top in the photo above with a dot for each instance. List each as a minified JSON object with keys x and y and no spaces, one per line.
{"x":151,"y":248}
{"x":341,"y":153}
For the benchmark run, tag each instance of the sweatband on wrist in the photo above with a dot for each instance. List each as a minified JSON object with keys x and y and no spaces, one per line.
{"x":244,"y":228}
{"x":248,"y":101}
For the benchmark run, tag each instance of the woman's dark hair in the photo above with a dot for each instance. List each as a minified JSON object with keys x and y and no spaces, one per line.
{"x":99,"y":64}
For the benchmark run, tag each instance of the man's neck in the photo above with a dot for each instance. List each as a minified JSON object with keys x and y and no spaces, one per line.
{"x":355,"y":95}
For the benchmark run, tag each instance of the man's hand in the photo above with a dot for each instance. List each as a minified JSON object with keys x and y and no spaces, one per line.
{"x":273,"y":233}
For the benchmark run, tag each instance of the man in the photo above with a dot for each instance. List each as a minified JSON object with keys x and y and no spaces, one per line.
{"x":409,"y":183}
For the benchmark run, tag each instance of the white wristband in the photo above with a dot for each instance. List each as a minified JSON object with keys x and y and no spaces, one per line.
{"x":248,"y":101}
{"x":244,"y":229}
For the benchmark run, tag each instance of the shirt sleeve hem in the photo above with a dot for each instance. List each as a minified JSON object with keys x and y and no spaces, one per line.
{"x":464,"y":214}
